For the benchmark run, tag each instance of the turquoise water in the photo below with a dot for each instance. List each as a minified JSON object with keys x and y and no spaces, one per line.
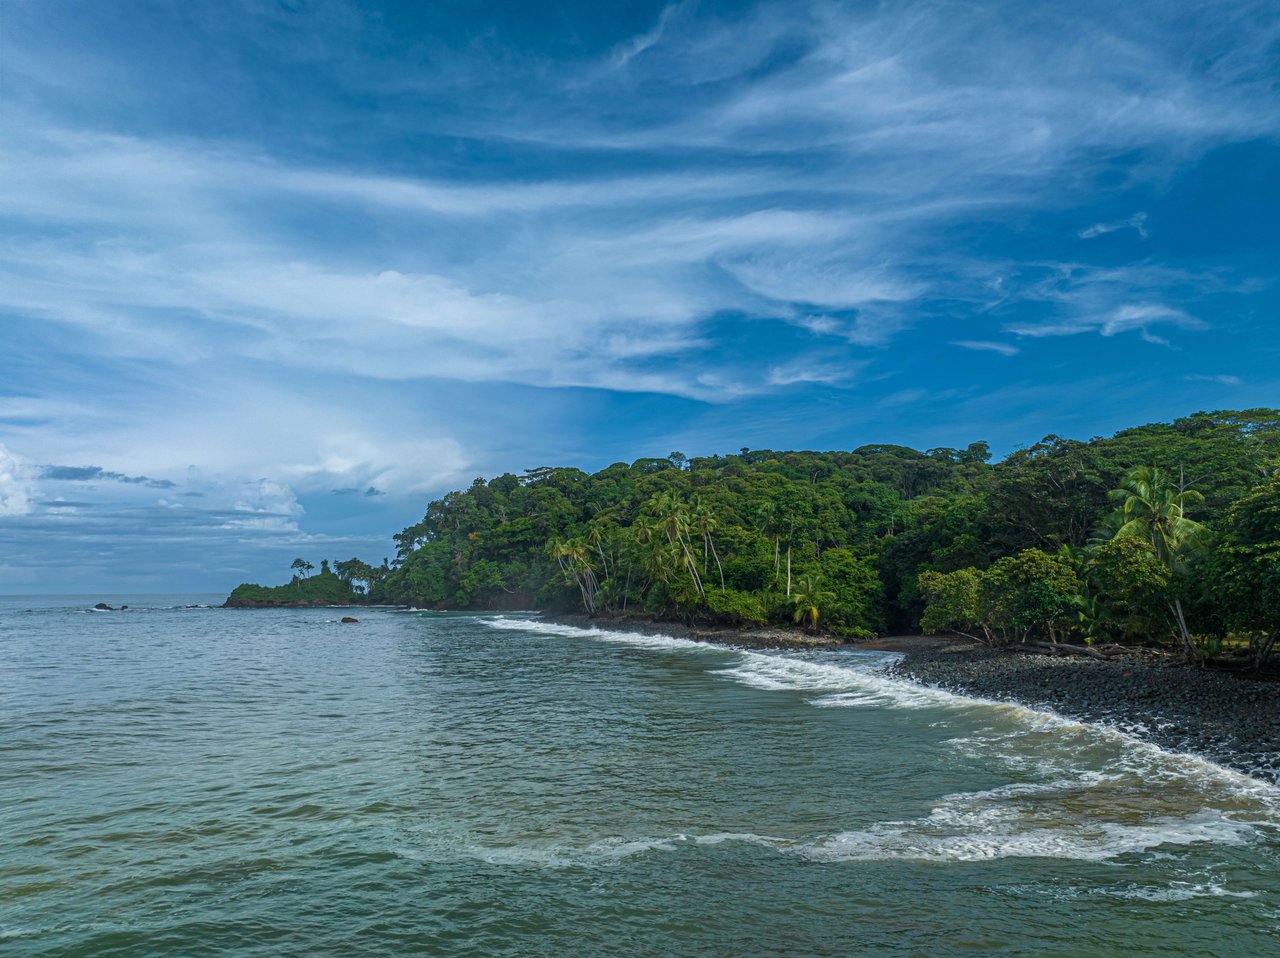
{"x":187,"y":781}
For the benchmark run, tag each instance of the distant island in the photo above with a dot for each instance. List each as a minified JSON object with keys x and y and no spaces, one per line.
{"x":346,"y":583}
{"x":1166,"y":534}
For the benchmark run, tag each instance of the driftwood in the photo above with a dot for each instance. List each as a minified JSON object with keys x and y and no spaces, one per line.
{"x":1054,"y":648}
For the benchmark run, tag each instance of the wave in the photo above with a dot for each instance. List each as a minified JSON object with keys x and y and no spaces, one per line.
{"x":636,"y":639}
{"x":1178,"y":891}
{"x":1096,"y":792}
{"x":1092,"y":817}
{"x":966,"y":827}
{"x":857,"y":679}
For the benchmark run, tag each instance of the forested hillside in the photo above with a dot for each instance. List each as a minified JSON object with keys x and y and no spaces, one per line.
{"x":1164,"y":530}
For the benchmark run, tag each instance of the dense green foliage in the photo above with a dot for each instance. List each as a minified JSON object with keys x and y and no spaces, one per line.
{"x":326,"y":588}
{"x":1124,"y":538}
{"x":1247,"y":567}
{"x":1025,"y":547}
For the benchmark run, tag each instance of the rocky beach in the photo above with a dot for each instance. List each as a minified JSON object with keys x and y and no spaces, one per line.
{"x":1227,"y":718}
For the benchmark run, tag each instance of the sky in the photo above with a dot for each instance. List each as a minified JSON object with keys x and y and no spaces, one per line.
{"x":275,"y":273}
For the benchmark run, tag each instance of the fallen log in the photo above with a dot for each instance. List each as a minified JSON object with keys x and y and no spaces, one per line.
{"x":1054,"y":648}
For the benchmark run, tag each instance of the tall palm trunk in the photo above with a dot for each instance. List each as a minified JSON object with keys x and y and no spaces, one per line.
{"x":693,"y":567}
{"x":1188,"y":643}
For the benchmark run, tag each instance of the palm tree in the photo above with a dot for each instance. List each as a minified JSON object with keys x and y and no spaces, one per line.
{"x":673,"y":517}
{"x":766,"y":516}
{"x":1152,"y":508}
{"x":809,"y":597}
{"x":597,"y":536}
{"x":661,"y":564}
{"x":302,"y":568}
{"x":571,"y":556}
{"x":705,"y":523}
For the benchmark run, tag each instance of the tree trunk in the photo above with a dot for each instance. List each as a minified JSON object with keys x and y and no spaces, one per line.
{"x":1263,"y":652}
{"x":1188,"y":643}
{"x":1058,"y":649}
{"x":788,"y":569}
{"x":693,"y":567}
{"x":719,"y":567}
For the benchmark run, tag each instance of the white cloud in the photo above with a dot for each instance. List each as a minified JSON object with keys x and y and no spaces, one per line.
{"x":15,"y":485}
{"x":1139,"y":317}
{"x":507,"y":279}
{"x":1220,"y":380}
{"x":1142,"y":316}
{"x":1137,"y":222}
{"x":624,"y":53}
{"x":1004,"y":349}
{"x":358,"y":460}
{"x":1107,"y":300}
{"x":812,"y":372}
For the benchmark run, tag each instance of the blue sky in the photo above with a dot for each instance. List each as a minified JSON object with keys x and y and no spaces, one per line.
{"x":273,"y":274}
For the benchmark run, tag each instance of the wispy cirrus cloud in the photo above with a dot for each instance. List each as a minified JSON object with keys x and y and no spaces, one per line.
{"x":773,"y":238}
{"x":1221,"y":380}
{"x":1004,"y":349}
{"x":1139,"y":318}
{"x":1137,"y":223}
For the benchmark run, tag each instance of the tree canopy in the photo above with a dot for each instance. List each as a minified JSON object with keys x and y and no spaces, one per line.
{"x":1114,"y":538}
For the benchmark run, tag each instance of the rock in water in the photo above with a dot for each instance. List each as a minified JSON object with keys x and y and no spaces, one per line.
{"x":103,"y":607}
{"x":348,"y":618}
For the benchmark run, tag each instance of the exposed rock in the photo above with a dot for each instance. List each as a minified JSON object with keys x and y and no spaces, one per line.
{"x":103,"y":607}
{"x":349,"y":618}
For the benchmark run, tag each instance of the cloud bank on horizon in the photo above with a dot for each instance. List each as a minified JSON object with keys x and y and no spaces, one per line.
{"x":272,"y":274}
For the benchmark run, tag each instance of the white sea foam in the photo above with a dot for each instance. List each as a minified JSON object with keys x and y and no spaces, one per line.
{"x":1177,"y":891}
{"x":1131,"y":797}
{"x":638,"y":640}
{"x":957,"y":831}
{"x":608,"y":851}
{"x":1092,"y":817}
{"x":1105,"y":842}
{"x":858,"y":680}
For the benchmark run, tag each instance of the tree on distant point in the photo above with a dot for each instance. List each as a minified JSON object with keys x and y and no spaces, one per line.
{"x":301,"y":568}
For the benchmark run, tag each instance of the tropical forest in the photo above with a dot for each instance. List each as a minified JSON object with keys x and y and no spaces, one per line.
{"x":1163,"y":534}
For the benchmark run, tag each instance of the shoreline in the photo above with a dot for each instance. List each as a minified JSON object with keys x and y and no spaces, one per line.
{"x":1228,"y":719}
{"x":761,"y":637}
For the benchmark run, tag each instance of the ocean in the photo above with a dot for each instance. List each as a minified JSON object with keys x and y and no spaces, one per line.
{"x":178,"y":779}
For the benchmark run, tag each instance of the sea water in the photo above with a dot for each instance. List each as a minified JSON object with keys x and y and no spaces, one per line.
{"x":178,"y":779}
